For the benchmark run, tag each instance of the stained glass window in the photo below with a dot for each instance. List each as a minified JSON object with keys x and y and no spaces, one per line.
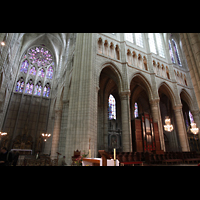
{"x":171,"y":52}
{"x":40,"y":56}
{"x":32,"y":71}
{"x":50,"y":73}
{"x":20,"y":85}
{"x":41,"y":73}
{"x":38,"y":89}
{"x":160,"y":45}
{"x":139,"y":41}
{"x":136,"y":110}
{"x":129,"y":37}
{"x":24,"y":66}
{"x":111,"y":107}
{"x":176,"y":52}
{"x":29,"y":87}
{"x":152,"y":43}
{"x":46,"y":91}
{"x":191,"y":117}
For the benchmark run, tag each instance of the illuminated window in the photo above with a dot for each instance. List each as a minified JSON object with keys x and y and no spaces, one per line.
{"x":136,"y":110}
{"x":111,"y":107}
{"x":160,"y":45}
{"x":129,"y":37}
{"x":152,"y":43}
{"x":139,"y":40}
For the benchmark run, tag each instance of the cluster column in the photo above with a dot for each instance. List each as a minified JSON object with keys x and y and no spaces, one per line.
{"x":155,"y":109}
{"x":126,"y":121}
{"x":181,"y":128}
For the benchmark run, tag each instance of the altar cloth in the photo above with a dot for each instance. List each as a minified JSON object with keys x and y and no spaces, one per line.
{"x":90,"y":161}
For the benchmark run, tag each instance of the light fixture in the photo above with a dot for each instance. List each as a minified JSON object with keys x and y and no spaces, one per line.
{"x":194,"y":129}
{"x":3,"y":133}
{"x":3,"y":43}
{"x":46,"y":136}
{"x":168,"y":126}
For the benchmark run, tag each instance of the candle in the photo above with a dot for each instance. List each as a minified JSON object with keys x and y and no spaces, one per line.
{"x":114,"y":154}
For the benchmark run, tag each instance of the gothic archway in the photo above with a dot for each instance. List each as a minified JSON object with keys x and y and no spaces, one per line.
{"x":109,"y":119}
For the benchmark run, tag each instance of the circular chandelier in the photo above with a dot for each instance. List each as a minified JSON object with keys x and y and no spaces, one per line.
{"x":194,"y":129}
{"x":168,"y":126}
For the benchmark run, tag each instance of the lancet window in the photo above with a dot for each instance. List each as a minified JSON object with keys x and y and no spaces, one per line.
{"x":152,"y":43}
{"x":46,"y":91}
{"x":24,"y":66}
{"x":136,"y":110}
{"x":160,"y":45}
{"x":20,"y":85}
{"x":176,"y":52}
{"x":29,"y":87}
{"x":111,"y":107}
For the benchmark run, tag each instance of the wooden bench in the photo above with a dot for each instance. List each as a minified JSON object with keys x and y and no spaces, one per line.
{"x":171,"y":157}
{"x":190,"y":157}
{"x":132,"y":163}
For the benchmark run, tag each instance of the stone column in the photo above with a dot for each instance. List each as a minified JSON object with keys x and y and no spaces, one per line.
{"x":126,"y":121}
{"x":56,"y":134}
{"x":181,"y":128}
{"x":155,"y":110}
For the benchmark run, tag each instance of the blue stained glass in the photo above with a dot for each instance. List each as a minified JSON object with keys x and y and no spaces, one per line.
{"x":50,"y":73}
{"x":136,"y":110}
{"x":111,"y":107}
{"x":41,"y":73}
{"x":17,"y":86}
{"x":176,"y":52}
{"x":39,"y":90}
{"x":44,"y":92}
{"x":191,"y":117}
{"x":36,"y":89}
{"x":21,"y":87}
{"x":48,"y":91}
{"x":24,"y":66}
{"x":32,"y":71}
{"x":171,"y":53}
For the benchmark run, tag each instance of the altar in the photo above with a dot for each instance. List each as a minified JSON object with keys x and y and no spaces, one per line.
{"x":98,"y":162}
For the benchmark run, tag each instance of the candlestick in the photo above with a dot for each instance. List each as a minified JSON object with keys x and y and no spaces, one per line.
{"x":89,"y":156}
{"x":114,"y":154}
{"x":114,"y":157}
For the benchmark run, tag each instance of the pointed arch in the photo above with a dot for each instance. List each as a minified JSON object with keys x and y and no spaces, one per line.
{"x":145,"y":82}
{"x":187,"y":98}
{"x":166,"y":89}
{"x":118,"y":77}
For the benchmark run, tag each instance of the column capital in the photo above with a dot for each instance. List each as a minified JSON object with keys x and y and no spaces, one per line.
{"x":125,"y":94}
{"x":177,"y":107}
{"x":195,"y":112}
{"x":154,"y":101}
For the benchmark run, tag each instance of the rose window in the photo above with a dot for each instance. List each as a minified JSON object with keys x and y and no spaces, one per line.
{"x":40,"y":56}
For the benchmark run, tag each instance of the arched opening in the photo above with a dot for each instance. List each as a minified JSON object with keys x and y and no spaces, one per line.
{"x":143,"y":138}
{"x":166,"y":109}
{"x":109,"y":111}
{"x":193,"y":140}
